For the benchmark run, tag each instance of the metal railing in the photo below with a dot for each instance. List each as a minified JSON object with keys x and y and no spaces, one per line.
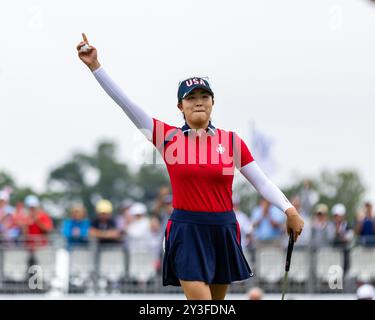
{"x":34,"y":266}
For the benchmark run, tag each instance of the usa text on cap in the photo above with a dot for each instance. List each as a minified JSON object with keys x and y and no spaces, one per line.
{"x":188,"y":85}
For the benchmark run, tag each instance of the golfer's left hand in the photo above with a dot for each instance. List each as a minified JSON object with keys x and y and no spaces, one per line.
{"x":294,"y":222}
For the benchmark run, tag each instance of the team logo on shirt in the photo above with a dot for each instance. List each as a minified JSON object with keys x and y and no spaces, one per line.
{"x":220,"y":149}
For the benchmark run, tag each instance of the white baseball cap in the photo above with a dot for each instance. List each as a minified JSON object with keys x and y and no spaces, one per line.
{"x":339,"y":209}
{"x":366,"y":292}
{"x":32,"y":201}
{"x":138,"y":208}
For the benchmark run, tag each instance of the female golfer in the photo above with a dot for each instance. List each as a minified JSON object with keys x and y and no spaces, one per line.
{"x":203,"y":251}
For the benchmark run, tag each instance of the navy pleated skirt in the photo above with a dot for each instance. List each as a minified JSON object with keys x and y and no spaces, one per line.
{"x":203,"y":246}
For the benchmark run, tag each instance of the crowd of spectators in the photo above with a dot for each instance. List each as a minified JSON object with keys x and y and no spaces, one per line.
{"x":138,"y":228}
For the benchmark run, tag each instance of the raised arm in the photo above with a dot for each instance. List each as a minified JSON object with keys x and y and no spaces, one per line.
{"x":273,"y":194}
{"x":88,"y":54}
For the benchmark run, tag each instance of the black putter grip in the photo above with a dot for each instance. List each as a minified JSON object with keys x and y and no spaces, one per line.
{"x":289,"y":252}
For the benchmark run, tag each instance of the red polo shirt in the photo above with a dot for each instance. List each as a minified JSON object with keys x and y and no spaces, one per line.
{"x":35,"y":235}
{"x":201,"y":168}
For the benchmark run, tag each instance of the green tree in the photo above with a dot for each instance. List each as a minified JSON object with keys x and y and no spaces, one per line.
{"x":149,"y":178}
{"x":114,"y":180}
{"x":88,"y":177}
{"x":6,"y":180}
{"x":18,"y":192}
{"x":345,"y":187}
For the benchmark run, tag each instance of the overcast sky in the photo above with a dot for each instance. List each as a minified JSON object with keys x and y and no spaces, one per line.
{"x":303,"y":71}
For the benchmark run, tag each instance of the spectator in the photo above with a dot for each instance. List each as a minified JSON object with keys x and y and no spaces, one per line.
{"x":37,"y":225}
{"x":322,"y":231}
{"x":144,"y":234}
{"x":11,"y":232}
{"x":4,"y":199}
{"x":103,"y":228}
{"x":268,"y":222}
{"x":5,"y":211}
{"x":366,"y":292}
{"x":76,"y":228}
{"x":255,"y":294}
{"x":19,"y":218}
{"x":158,"y":204}
{"x":123,"y":218}
{"x":365,"y":227}
{"x":244,"y":222}
{"x":343,"y":234}
{"x":139,"y":228}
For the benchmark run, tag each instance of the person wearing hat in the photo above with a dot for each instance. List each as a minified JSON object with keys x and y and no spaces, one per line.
{"x":38,"y":224}
{"x":322,"y":231}
{"x":138,"y":230}
{"x":103,"y":227}
{"x":203,"y":252}
{"x":343,"y":232}
{"x":139,"y":221}
{"x":143,"y":233}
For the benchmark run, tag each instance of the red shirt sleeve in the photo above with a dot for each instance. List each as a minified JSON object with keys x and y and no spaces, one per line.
{"x":242,"y":154}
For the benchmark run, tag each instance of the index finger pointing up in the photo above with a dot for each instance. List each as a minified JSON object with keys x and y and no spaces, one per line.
{"x":85,"y":38}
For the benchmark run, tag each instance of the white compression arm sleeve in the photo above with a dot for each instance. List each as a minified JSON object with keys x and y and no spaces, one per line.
{"x":264,"y":186}
{"x":140,"y":118}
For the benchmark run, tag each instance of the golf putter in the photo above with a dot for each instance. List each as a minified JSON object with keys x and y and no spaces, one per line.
{"x":287,"y":264}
